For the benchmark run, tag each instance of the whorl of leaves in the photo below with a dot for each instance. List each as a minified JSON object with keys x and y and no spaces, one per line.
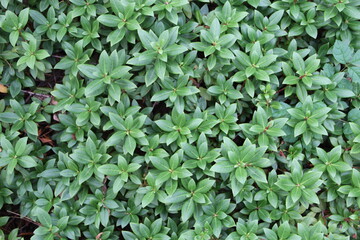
{"x":179,"y":119}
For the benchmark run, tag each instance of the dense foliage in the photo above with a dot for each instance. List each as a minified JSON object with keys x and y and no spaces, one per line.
{"x":178,"y":119}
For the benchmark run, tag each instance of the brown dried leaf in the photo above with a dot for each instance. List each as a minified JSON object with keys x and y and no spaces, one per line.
{"x":3,"y":89}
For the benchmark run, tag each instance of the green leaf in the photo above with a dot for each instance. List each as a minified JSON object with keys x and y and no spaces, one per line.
{"x":243,"y":58}
{"x":296,"y":31}
{"x":275,"y":132}
{"x":116,"y":36}
{"x":262,"y":75}
{"x":109,"y":20}
{"x":355,"y":149}
{"x":89,"y":71}
{"x":20,"y":146}
{"x":109,"y":169}
{"x":342,"y":166}
{"x":298,"y":62}
{"x":175,"y":50}
{"x":204,"y":185}
{"x":344,"y":93}
{"x":178,"y":197}
{"x":187,"y":210}
{"x":330,"y":13}
{"x":352,"y":12}
{"x":27,"y":162}
{"x":295,"y":194}
{"x":161,"y":95}
{"x":85,"y":174}
{"x":320,"y":112}
{"x":223,"y":167}
{"x":312,"y":31}
{"x":3,"y":221}
{"x":147,"y":199}
{"x":270,"y":234}
{"x":160,"y":69}
{"x":174,"y":119}
{"x":159,"y":163}
{"x":273,"y":199}
{"x":241,"y":175}
{"x":162,"y":177}
{"x":342,"y":52}
{"x":13,"y":37}
{"x":95,"y":88}
{"x":130,"y":145}
{"x":284,"y":230}
{"x":44,"y":217}
{"x":285,"y":183}
{"x":8,"y":117}
{"x":291,"y":80}
{"x":300,"y":128}
{"x":254,"y":3}
{"x":31,"y":128}
{"x":355,"y":177}
{"x":215,"y":28}
{"x":24,"y":16}
{"x":320,"y":80}
{"x":38,"y":17}
{"x":146,"y":38}
{"x":354,"y":73}
{"x":211,"y":62}
{"x":310,"y":196}
{"x":257,"y":174}
{"x":165,"y":125}
{"x":41,"y":54}
{"x":266,"y":60}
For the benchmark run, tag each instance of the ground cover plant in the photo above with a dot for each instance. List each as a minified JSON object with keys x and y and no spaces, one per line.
{"x":178,"y":119}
